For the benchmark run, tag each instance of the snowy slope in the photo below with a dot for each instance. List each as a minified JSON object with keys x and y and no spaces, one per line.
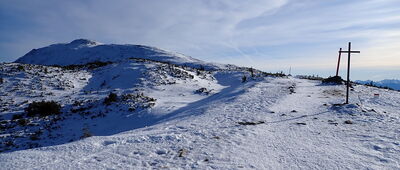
{"x":82,"y":51}
{"x":300,"y":130}
{"x":147,"y":91}
{"x":170,"y":113}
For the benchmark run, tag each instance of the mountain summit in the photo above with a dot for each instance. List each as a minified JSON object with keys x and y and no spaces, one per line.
{"x":83,"y":51}
{"x":83,"y":42}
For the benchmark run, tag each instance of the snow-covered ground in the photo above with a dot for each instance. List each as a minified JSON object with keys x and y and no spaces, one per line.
{"x":147,"y":91}
{"x":176,"y":112}
{"x":300,"y":129}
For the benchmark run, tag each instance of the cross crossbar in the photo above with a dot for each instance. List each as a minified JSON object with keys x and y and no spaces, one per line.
{"x":350,"y":51}
{"x":348,"y":70}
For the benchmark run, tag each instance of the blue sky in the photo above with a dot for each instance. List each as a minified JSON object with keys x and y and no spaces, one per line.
{"x":270,"y":35}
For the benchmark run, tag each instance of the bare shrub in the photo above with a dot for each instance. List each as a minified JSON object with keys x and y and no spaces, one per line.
{"x":43,"y":108}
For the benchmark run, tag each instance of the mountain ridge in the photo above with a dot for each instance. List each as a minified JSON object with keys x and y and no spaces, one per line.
{"x":390,"y":83}
{"x":83,"y":51}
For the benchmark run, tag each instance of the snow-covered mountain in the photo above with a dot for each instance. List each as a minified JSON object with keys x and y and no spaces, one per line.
{"x":86,"y":105}
{"x":82,"y":51}
{"x":150,"y":85}
{"x":391,"y":83}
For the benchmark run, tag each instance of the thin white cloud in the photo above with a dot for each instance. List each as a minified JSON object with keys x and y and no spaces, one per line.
{"x":170,"y":24}
{"x":220,"y":30}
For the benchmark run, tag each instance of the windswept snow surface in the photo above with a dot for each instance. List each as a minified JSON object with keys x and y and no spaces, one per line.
{"x":268,"y":123}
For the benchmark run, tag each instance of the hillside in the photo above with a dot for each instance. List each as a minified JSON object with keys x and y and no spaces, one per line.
{"x":153,"y":112}
{"x":390,"y":83}
{"x":147,"y":88}
{"x":82,"y":51}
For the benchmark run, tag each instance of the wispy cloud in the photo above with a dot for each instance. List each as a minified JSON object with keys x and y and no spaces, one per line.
{"x":256,"y":33}
{"x":176,"y":24}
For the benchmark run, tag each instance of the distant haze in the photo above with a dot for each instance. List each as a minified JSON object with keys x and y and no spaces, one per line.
{"x":271,"y":35}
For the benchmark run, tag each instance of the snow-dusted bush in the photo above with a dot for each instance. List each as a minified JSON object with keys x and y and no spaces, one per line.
{"x":333,"y":80}
{"x":36,"y":135}
{"x":278,"y":74}
{"x":17,"y":116}
{"x":244,"y":79}
{"x":203,"y":90}
{"x":313,"y":77}
{"x":138,"y":101}
{"x":43,"y":108}
{"x":112,"y":97}
{"x":22,"y":122}
{"x":91,"y":65}
{"x":251,"y":70}
{"x":86,"y":133}
{"x":97,"y":64}
{"x":20,"y":68}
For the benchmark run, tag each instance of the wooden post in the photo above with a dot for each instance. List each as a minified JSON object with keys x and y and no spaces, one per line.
{"x":348,"y":71}
{"x":338,"y":62}
{"x":348,"y":74}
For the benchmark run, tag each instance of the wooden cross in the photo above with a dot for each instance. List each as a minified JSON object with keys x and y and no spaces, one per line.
{"x":348,"y":69}
{"x":338,"y":62}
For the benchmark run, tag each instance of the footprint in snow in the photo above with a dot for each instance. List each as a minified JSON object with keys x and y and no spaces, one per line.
{"x":161,"y":152}
{"x":106,"y":143}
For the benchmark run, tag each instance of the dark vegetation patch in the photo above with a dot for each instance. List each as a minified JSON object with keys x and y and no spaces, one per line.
{"x":244,"y":79}
{"x":86,"y":133}
{"x":20,"y":68}
{"x":182,"y":152}
{"x":310,"y":77}
{"x":292,"y":88}
{"x":167,"y":73}
{"x":43,"y":108}
{"x":17,"y":116}
{"x":251,"y":123}
{"x":112,"y":97}
{"x":301,"y":123}
{"x":203,"y":90}
{"x":138,"y":101}
{"x":133,"y":101}
{"x":348,"y":122}
{"x":161,"y":73}
{"x":277,"y":74}
{"x":331,"y":122}
{"x":22,"y":131}
{"x":333,"y":80}
{"x":36,"y":135}
{"x":91,"y":65}
{"x":22,"y":122}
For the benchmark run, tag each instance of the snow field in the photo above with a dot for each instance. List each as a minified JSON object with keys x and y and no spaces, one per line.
{"x":172,"y":111}
{"x":301,"y":130}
